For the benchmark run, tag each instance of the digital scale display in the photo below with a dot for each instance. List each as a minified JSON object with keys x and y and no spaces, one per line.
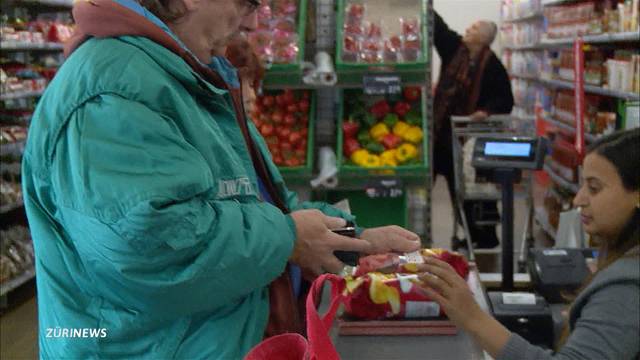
{"x":511,"y":149}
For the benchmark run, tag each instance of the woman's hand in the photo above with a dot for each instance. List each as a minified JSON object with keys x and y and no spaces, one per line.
{"x":391,"y":238}
{"x":447,"y":288}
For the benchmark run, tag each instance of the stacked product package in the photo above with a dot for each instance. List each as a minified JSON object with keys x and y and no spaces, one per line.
{"x":276,"y":39}
{"x":364,"y":40}
{"x":386,"y":286}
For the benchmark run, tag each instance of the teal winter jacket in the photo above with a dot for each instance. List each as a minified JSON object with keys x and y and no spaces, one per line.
{"x":145,"y":212}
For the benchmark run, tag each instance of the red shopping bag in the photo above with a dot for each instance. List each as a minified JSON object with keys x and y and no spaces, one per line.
{"x":319,"y":345}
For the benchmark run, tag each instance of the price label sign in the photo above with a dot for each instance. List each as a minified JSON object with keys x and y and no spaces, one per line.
{"x":384,"y":188}
{"x":382,"y":84}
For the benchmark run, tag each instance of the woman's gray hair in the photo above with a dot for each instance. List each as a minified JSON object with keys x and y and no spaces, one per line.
{"x":166,"y":10}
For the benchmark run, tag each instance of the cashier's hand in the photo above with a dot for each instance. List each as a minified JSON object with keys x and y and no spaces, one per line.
{"x":315,"y":242}
{"x":442,"y":284}
{"x":479,"y":115}
{"x":391,"y":239}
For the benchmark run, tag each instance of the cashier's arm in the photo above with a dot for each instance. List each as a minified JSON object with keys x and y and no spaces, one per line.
{"x":447,"y":288}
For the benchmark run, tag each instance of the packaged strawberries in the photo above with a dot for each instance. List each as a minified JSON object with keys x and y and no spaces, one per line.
{"x":385,"y":286}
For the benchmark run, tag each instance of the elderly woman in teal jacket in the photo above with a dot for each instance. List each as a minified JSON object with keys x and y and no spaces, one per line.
{"x":158,"y":219}
{"x":604,"y":321}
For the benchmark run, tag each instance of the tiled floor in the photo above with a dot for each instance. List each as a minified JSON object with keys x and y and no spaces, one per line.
{"x":18,"y":327}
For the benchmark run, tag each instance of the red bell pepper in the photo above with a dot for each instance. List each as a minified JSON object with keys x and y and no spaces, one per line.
{"x":411,"y":93}
{"x":391,"y":141}
{"x":401,"y":108}
{"x":350,"y":129}
{"x":380,"y":109}
{"x":350,"y":146}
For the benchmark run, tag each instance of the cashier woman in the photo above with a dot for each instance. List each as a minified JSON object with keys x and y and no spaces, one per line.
{"x":604,"y":319}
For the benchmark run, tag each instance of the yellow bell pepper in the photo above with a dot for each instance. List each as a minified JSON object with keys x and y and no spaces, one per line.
{"x":359,"y":156}
{"x":388,"y":158}
{"x":378,"y":131}
{"x":400,"y":128}
{"x":406,"y":152}
{"x":413,"y":134}
{"x":372,"y":161}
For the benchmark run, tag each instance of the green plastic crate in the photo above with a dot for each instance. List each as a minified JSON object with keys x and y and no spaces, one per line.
{"x":411,"y":73}
{"x":410,"y":174}
{"x":373,"y":212}
{"x":303,"y":173}
{"x":290,"y":74}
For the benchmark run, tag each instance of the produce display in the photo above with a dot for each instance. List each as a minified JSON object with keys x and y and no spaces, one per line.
{"x":384,"y":286}
{"x":282,"y":117}
{"x":383,"y":131}
{"x":365,"y":41}
{"x":276,"y":39}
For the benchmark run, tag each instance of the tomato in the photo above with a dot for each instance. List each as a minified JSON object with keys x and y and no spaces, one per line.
{"x":304,"y":105}
{"x":301,"y":154}
{"x":304,"y":119}
{"x":295,"y":138}
{"x":266,"y":130}
{"x":283,"y":133}
{"x":302,"y":144}
{"x":305,"y":95}
{"x":268,"y":101}
{"x":271,"y":140}
{"x":289,"y":120}
{"x":292,"y":108}
{"x":289,"y":97}
{"x":278,"y":160}
{"x":304,"y":132}
{"x":277,"y":117}
{"x":280,"y":101}
{"x":292,"y":162}
{"x":285,"y":146}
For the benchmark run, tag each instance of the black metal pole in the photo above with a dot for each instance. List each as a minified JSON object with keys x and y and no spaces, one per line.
{"x":508,"y":178}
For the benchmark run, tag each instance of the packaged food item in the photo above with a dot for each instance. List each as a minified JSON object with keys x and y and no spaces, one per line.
{"x":385,"y":286}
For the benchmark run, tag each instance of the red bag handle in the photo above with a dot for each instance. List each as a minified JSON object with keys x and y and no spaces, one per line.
{"x":320,"y":345}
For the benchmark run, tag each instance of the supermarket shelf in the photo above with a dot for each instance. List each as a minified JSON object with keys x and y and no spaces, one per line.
{"x":559,"y":124}
{"x":594,"y":39}
{"x":593,"y":89}
{"x":20,"y":95}
{"x":10,"y":207}
{"x":525,"y":47}
{"x":525,"y":77}
{"x":542,"y":218}
{"x":527,"y":17}
{"x":556,"y":2}
{"x":7,"y":286}
{"x":560,"y":180}
{"x":53,"y":3}
{"x":25,"y":46}
{"x":13,"y":148}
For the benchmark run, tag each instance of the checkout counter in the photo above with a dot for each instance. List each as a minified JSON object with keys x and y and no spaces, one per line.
{"x":455,"y":347}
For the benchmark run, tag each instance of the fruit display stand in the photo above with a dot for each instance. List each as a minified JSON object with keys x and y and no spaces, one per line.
{"x":385,"y":116}
{"x":288,"y":71}
{"x":365,"y":44}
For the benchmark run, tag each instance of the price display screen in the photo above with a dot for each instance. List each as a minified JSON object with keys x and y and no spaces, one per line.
{"x":511,"y":149}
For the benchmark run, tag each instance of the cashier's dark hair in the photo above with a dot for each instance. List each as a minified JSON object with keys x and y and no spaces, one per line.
{"x":622,"y":150}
